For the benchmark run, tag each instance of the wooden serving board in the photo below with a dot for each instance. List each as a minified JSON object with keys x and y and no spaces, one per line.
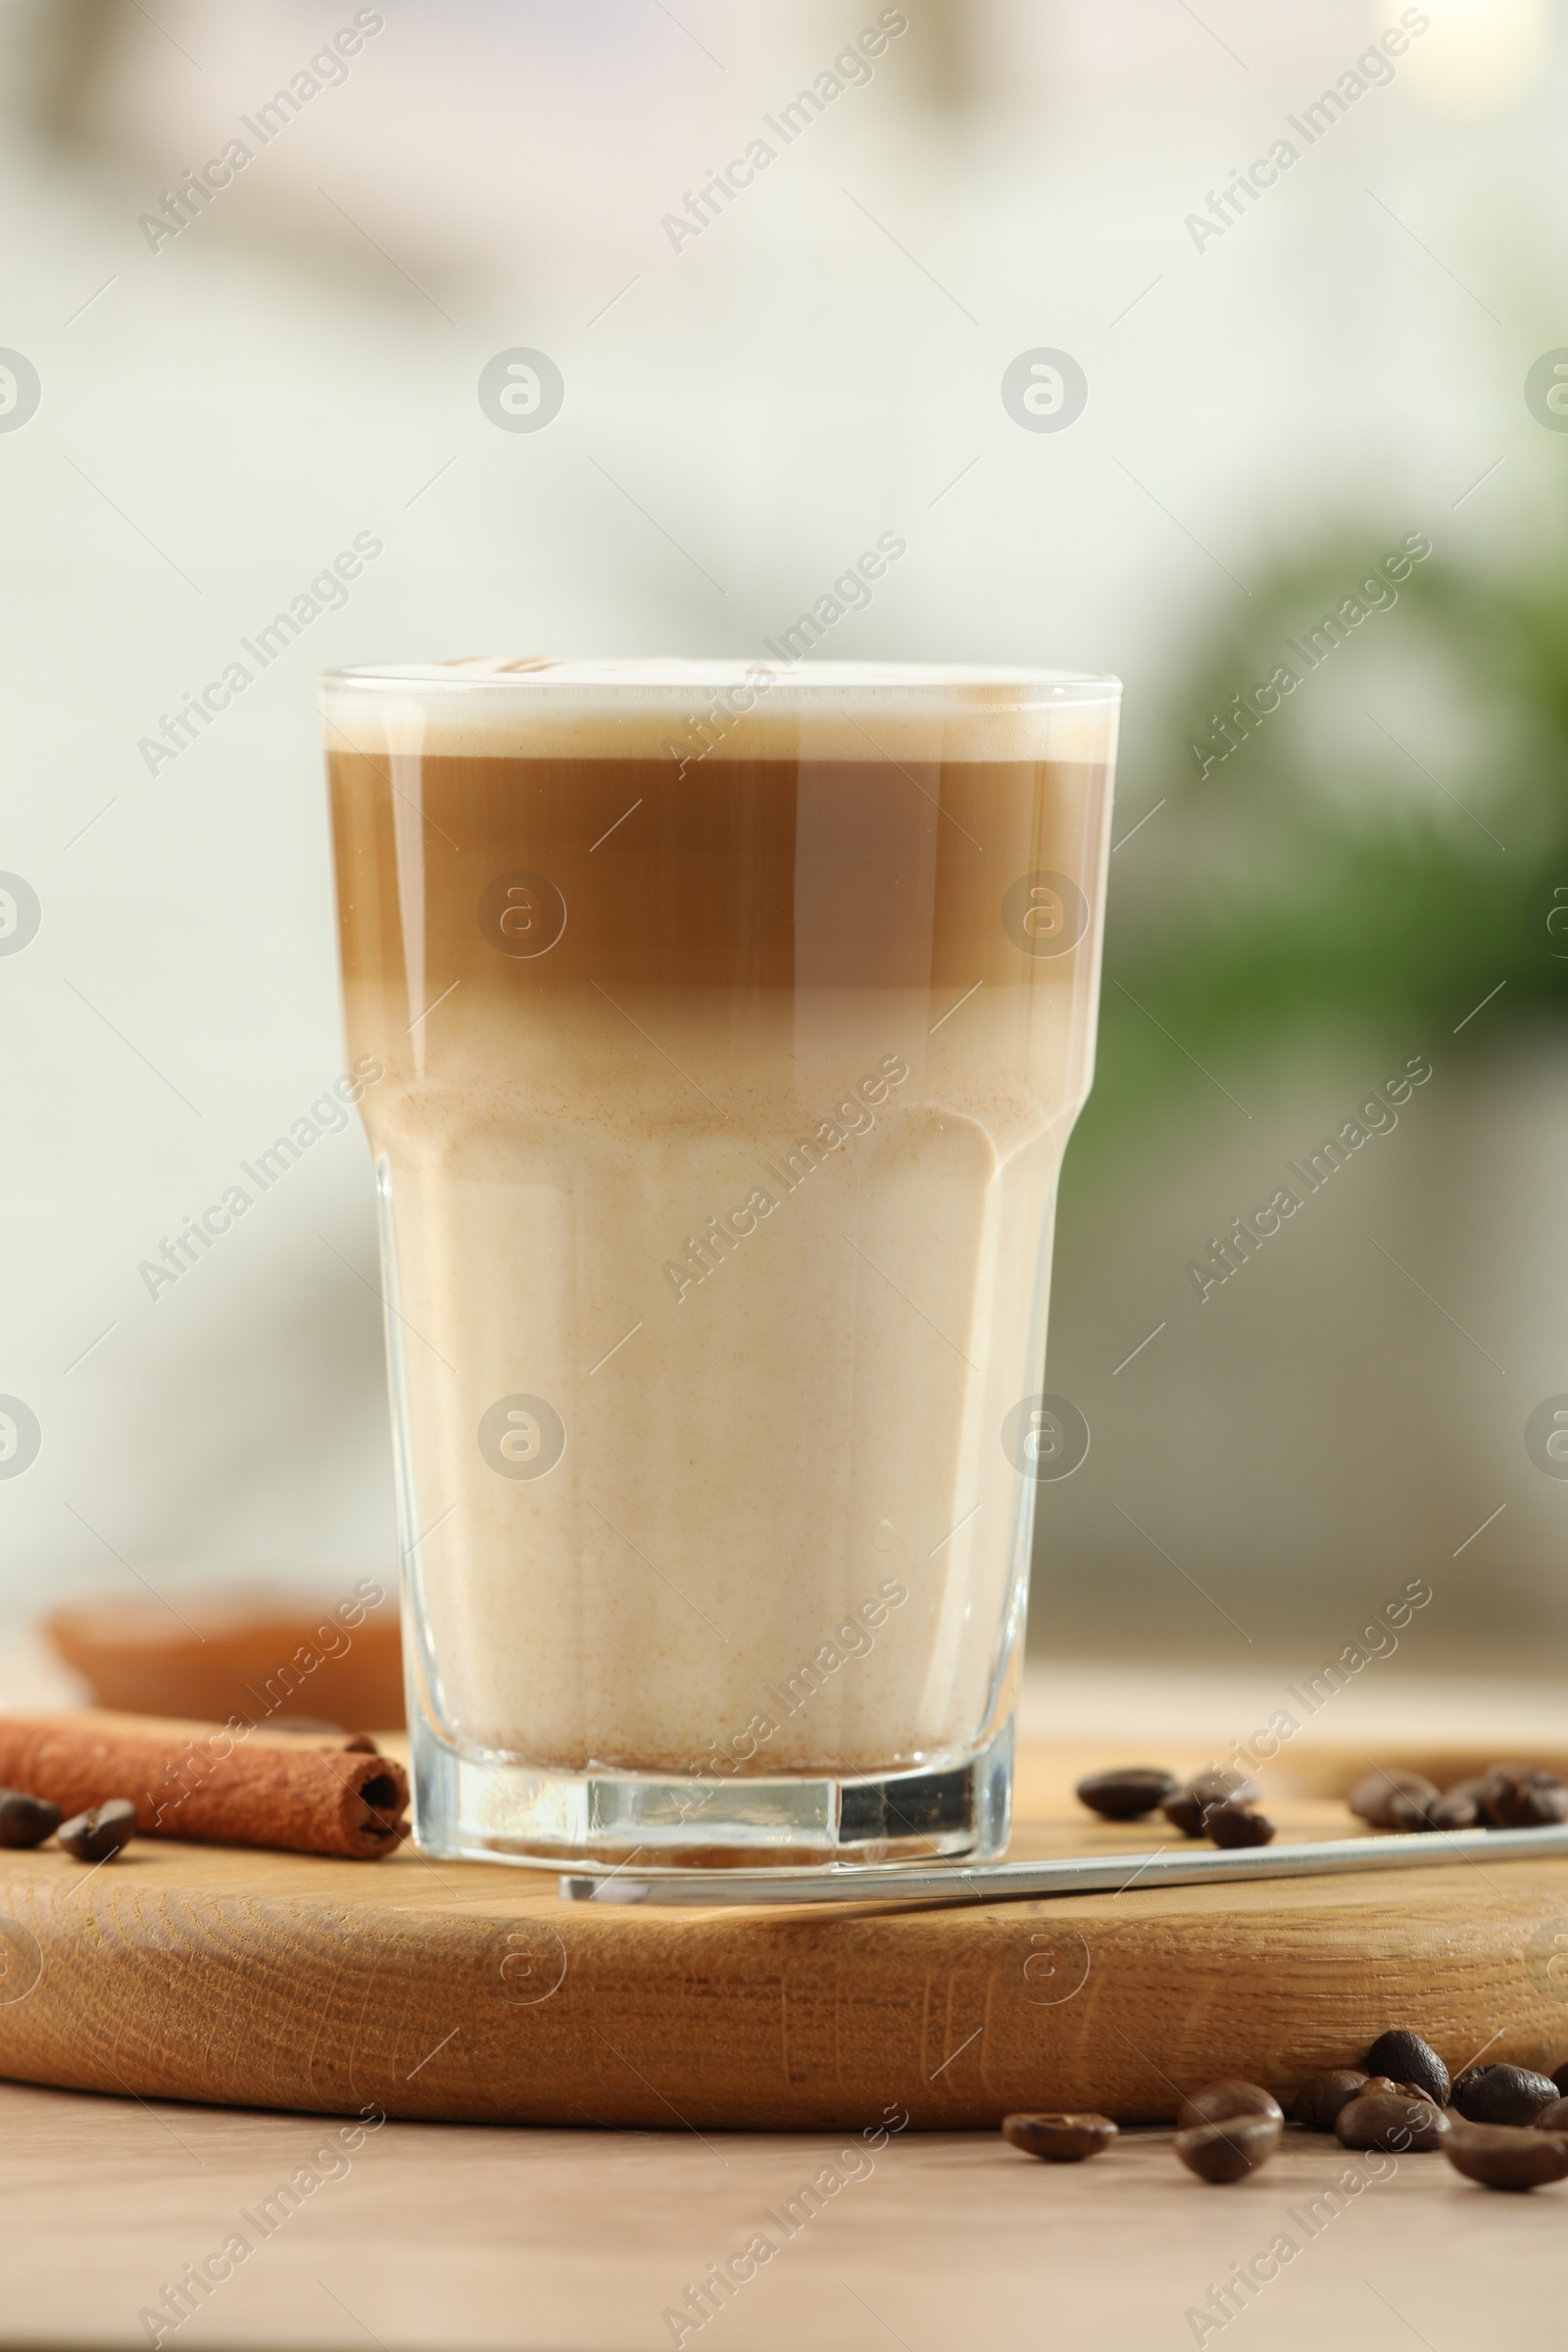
{"x":468,"y":1992}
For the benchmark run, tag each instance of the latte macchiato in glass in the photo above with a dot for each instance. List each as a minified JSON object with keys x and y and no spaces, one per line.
{"x":734,"y":1020}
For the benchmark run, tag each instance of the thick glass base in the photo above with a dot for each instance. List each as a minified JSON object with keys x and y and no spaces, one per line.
{"x":477,"y":1810}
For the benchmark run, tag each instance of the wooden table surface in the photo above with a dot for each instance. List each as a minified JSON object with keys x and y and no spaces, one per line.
{"x":436,"y":2237}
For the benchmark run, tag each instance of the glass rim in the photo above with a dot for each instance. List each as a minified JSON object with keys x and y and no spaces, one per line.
{"x":977,"y":686}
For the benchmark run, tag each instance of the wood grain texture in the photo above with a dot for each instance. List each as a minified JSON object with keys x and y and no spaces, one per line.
{"x":468,"y":1992}
{"x":455,"y":2238}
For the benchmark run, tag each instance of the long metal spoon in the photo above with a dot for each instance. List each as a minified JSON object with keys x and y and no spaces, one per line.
{"x":944,"y":1883}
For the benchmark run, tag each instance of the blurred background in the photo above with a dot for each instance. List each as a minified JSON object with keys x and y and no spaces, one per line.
{"x":205,"y":396}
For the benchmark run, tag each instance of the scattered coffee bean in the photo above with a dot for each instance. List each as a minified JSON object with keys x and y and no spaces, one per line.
{"x":1553,"y":2118}
{"x":1231,"y":2096}
{"x":1410,"y":2059}
{"x":1391,"y":2120}
{"x":1226,"y":2150}
{"x":1059,"y":2138}
{"x":1187,"y":1809}
{"x":102,"y":1831}
{"x":1237,"y":1824}
{"x":1455,"y":1809}
{"x":1504,"y":2094}
{"x":1372,"y":1798}
{"x":1492,"y":1783}
{"x":1505,"y":2155}
{"x":27,"y":1820}
{"x":1127,"y":1793}
{"x":1321,"y":2097}
{"x":1467,"y":1792}
{"x":1527,"y":1800}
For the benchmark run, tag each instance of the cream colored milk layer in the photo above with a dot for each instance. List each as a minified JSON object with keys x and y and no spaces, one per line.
{"x":782,"y":1529}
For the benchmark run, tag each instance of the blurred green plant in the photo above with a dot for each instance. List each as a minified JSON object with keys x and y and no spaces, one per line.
{"x":1376,"y":857}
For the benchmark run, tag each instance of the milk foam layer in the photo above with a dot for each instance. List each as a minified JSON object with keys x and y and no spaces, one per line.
{"x":840,"y":710}
{"x":716,"y":1230}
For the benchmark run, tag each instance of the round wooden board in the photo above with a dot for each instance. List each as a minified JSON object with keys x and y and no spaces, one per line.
{"x":467,"y":1993}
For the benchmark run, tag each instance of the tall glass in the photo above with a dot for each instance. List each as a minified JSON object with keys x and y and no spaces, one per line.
{"x":732,"y":1021}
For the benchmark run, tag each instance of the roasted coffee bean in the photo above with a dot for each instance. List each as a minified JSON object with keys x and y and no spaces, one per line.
{"x":102,"y":1831}
{"x":1184,"y":1812}
{"x":1454,"y":1809}
{"x":1506,"y":2155}
{"x":27,"y":1820}
{"x":1186,"y":1809}
{"x":1237,"y":1824}
{"x":1392,"y":2120}
{"x":1372,"y":1798}
{"x":1467,"y":1792}
{"x":1127,"y":1793}
{"x":1225,"y":2150}
{"x":1059,"y":2138}
{"x":1502,"y":2094}
{"x":1321,"y":2097}
{"x":1230,"y":2096}
{"x":1490,"y":1781}
{"x":1528,"y":1800}
{"x":1410,"y":2059}
{"x":1553,"y":2118}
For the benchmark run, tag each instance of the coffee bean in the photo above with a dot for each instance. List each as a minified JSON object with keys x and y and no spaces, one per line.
{"x":1553,"y":2118}
{"x":1502,"y":2094}
{"x":1224,"y":2151}
{"x":1059,"y":2138}
{"x":1237,"y":1824}
{"x":1127,"y":1793}
{"x":1230,"y":2096}
{"x":1410,"y":2059}
{"x":1403,"y":1815}
{"x":1321,"y":2097}
{"x":1466,"y":1792}
{"x":1506,"y":2156}
{"x":1372,"y":1798}
{"x":27,"y":1820}
{"x":1455,"y":1809}
{"x":1185,"y":1810}
{"x":1527,"y":1800}
{"x":102,"y":1831}
{"x":1391,"y":2120}
{"x":1493,"y":1781}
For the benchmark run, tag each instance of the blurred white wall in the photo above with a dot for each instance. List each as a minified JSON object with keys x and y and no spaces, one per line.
{"x":220,"y":415}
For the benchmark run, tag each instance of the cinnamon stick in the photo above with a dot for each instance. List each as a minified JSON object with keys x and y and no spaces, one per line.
{"x":305,"y":1793}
